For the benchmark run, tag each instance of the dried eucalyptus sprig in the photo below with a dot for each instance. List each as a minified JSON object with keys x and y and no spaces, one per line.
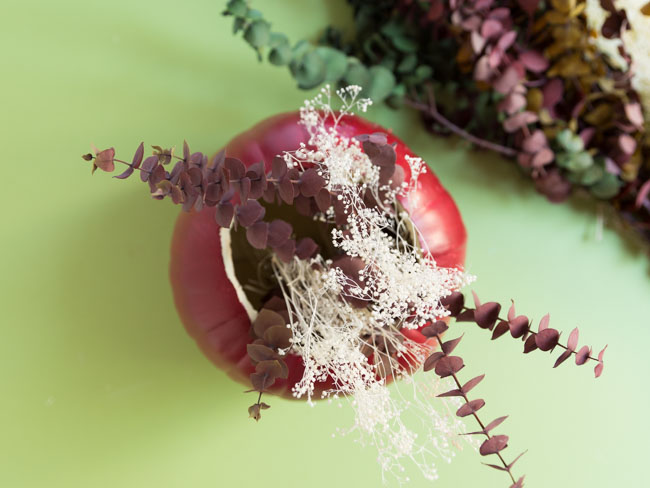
{"x":486,"y":316}
{"x":445,"y":365}
{"x":234,"y":190}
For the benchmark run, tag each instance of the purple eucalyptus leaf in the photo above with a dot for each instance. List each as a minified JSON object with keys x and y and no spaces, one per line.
{"x":500,"y":329}
{"x":534,"y":61}
{"x":547,"y":339}
{"x":311,"y":182}
{"x":453,"y":302}
{"x":487,"y":314}
{"x":279,"y":232}
{"x":257,"y":235}
{"x":448,"y":366}
{"x":493,"y":445}
{"x":467,"y":387}
{"x":563,"y":357}
{"x":495,"y":423}
{"x":224,"y":214}
{"x":448,"y":346}
{"x":249,"y":213}
{"x":434,"y":329}
{"x":470,"y":407}
{"x":582,"y":356}
{"x":572,"y":342}
{"x":306,"y":248}
{"x":430,"y":362}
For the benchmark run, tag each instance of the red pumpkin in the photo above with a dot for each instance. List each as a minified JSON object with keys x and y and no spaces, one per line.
{"x":205,"y":298}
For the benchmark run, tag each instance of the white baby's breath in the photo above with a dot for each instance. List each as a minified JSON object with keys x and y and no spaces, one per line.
{"x":400,"y":280}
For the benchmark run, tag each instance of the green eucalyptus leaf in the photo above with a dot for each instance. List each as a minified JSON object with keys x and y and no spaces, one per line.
{"x":300,"y":49}
{"x":607,"y":187}
{"x":277,"y":39}
{"x":592,"y":175}
{"x":237,"y":8}
{"x":310,"y":71}
{"x":575,"y":161}
{"x":404,"y":44}
{"x":392,"y":29}
{"x":280,"y":55}
{"x":358,"y":74}
{"x":424,"y":72}
{"x":587,"y":177}
{"x":238,"y":24}
{"x":389,"y":62}
{"x":396,"y":98}
{"x":258,"y":33}
{"x":336,"y":62}
{"x":382,"y":82}
{"x":570,"y":141}
{"x":253,"y":14}
{"x":407,"y":64}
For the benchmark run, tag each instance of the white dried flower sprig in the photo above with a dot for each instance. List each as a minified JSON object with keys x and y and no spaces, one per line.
{"x":400,"y":282}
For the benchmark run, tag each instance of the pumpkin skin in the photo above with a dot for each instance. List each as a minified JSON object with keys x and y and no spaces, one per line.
{"x":206,"y":300}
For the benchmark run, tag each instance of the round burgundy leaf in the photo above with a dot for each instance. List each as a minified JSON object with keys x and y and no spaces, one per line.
{"x":286,"y":251}
{"x":495,"y":423}
{"x":507,"y":81}
{"x":257,"y":235}
{"x":235,"y":167}
{"x":534,"y":61}
{"x":147,"y":167}
{"x":434,"y":329}
{"x":306,"y":248}
{"x":472,"y":383}
{"x":583,"y":355}
{"x":543,"y":324}
{"x":530,"y":344}
{"x":519,"y":120}
{"x":278,"y":167}
{"x":535,"y":142}
{"x":260,"y":352}
{"x":563,"y":357}
{"x":311,"y":182}
{"x":454,"y":303}
{"x":279,"y":232}
{"x":501,"y":328}
{"x":470,"y":407}
{"x":487,"y":314}
{"x":323,"y":200}
{"x":265,"y":320}
{"x":572,"y":343}
{"x":493,"y":445}
{"x":278,"y":336}
{"x":547,"y":339}
{"x":431,"y":361}
{"x":448,"y":366}
{"x":249,"y":213}
{"x":285,"y":189}
{"x":449,"y":346}
{"x":224,"y":214}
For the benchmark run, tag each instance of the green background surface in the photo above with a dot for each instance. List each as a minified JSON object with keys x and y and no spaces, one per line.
{"x":100,"y":386}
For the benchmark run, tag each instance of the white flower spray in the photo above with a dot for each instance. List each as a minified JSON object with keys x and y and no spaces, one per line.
{"x":359,"y":348}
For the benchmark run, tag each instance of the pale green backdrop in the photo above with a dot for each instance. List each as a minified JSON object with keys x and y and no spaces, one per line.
{"x":100,"y":385}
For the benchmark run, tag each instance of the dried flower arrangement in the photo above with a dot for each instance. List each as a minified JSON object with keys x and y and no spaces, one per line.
{"x":319,"y":258}
{"x":562,"y":86}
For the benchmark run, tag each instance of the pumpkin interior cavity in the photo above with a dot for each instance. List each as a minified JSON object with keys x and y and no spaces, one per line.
{"x":252,"y":267}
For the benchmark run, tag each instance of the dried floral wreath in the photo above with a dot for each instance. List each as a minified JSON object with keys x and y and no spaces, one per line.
{"x":325,"y":261}
{"x":562,"y":86}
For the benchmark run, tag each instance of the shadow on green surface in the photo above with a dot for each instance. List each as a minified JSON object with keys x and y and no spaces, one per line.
{"x":126,"y":334}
